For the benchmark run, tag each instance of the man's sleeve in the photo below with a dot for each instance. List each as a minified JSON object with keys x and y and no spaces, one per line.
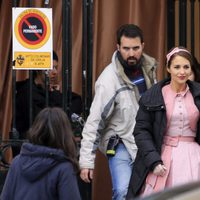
{"x":94,"y":123}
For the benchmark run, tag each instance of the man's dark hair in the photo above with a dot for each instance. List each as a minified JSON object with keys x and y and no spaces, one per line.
{"x":130,"y":31}
{"x":55,"y":56}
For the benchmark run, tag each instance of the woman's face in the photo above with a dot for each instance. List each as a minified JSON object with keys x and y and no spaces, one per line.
{"x":180,"y":70}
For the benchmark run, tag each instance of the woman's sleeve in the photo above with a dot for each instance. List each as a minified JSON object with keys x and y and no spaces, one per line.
{"x":144,"y":138}
{"x":68,"y":186}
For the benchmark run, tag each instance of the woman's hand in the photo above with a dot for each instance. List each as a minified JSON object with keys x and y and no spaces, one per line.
{"x":160,"y":170}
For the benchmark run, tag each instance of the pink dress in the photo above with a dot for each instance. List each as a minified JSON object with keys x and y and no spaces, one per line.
{"x":180,"y":152}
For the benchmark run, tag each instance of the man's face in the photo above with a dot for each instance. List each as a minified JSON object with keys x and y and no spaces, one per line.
{"x":131,"y":49}
{"x":53,"y":74}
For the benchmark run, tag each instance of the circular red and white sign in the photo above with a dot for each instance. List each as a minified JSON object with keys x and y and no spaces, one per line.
{"x":32,"y":29}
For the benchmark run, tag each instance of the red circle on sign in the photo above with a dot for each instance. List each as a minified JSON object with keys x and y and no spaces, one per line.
{"x":26,"y":21}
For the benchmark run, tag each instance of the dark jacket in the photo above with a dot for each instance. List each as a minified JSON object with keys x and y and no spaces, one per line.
{"x":38,"y":103}
{"x":40,"y":173}
{"x":151,"y":122}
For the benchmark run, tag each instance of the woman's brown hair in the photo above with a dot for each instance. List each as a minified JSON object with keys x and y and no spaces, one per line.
{"x":52,"y":128}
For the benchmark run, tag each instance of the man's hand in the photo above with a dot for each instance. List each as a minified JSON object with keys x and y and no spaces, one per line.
{"x":160,"y":170}
{"x":86,"y":175}
{"x":53,"y":87}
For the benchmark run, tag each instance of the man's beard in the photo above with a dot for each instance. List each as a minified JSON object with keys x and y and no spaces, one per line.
{"x":131,"y":64}
{"x":131,"y":61}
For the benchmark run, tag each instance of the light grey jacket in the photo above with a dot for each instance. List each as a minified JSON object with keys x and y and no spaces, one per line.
{"x":113,"y":110}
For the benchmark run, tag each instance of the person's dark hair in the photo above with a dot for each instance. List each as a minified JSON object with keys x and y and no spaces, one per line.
{"x":196,"y":69}
{"x":55,"y":56}
{"x":36,"y":73}
{"x":52,"y":128}
{"x":130,"y":31}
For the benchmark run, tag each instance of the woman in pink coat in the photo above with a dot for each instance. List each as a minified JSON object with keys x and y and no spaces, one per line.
{"x":167,"y":130}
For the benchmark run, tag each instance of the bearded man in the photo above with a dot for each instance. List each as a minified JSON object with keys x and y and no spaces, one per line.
{"x":111,"y":122}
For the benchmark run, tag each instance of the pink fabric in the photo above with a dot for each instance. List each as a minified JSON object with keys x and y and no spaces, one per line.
{"x":180,"y":152}
{"x":170,"y":98}
{"x":175,"y":50}
{"x":158,"y":183}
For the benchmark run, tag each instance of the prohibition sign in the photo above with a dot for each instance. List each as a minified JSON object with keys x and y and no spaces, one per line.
{"x":32,"y":29}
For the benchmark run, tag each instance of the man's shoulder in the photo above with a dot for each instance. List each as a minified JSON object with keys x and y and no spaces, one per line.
{"x":149,"y":60}
{"x":107,"y":74}
{"x":22,"y":84}
{"x":75,"y":95}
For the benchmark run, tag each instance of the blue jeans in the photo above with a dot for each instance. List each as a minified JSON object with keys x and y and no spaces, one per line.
{"x":120,"y":168}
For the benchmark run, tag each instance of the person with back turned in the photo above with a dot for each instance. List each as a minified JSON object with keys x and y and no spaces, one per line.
{"x":47,"y":165}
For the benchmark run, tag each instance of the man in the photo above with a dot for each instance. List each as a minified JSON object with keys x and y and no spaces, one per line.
{"x":113,"y":110}
{"x":39,"y":97}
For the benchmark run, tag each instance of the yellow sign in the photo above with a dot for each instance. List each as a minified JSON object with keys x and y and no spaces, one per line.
{"x":32,"y":38}
{"x":31,"y":60}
